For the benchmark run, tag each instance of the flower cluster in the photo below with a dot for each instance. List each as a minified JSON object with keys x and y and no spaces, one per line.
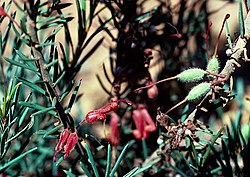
{"x":66,"y":143}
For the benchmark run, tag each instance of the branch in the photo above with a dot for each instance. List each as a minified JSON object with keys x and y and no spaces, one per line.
{"x":236,"y":54}
{"x":49,"y":85}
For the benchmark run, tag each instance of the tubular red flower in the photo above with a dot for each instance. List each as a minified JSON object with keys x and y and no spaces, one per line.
{"x":150,"y":125}
{"x":61,"y":143}
{"x":143,"y":122}
{"x":139,"y":124}
{"x":100,"y":114}
{"x":71,"y":142}
{"x":114,"y":137}
{"x":66,"y":143}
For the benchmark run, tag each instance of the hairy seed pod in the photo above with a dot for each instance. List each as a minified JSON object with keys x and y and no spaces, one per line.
{"x":191,"y":75}
{"x":213,"y":65}
{"x":198,"y":91}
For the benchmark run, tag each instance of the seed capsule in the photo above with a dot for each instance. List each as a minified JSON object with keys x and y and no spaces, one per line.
{"x":213,"y":65}
{"x":198,"y":91}
{"x":191,"y":75}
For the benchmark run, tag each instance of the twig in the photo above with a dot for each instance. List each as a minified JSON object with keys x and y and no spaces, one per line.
{"x":49,"y":85}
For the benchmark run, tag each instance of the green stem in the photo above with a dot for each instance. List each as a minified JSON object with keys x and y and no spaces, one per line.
{"x":144,"y":148}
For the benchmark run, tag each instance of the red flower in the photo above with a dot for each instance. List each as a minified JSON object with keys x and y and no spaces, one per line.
{"x":114,"y":138}
{"x":100,"y":114}
{"x":71,"y":142}
{"x":66,"y":143}
{"x":143,"y":122}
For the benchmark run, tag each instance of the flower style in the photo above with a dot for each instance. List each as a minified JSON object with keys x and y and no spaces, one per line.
{"x":66,"y":143}
{"x":114,"y":137}
{"x":143,"y":122}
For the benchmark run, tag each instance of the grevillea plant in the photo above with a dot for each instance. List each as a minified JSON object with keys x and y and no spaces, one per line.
{"x":43,"y":49}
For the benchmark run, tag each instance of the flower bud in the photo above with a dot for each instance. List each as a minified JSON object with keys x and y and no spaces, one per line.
{"x":152,"y":91}
{"x":213,"y":65}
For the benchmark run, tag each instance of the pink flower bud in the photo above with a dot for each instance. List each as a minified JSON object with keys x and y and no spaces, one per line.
{"x":148,"y":52}
{"x":177,"y":35}
{"x":152,"y":91}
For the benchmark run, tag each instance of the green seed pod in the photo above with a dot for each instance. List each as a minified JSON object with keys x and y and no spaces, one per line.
{"x":198,"y":91}
{"x":213,"y":65}
{"x":191,"y":75}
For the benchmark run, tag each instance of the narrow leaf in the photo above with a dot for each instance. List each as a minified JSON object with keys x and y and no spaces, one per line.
{"x":205,"y":156}
{"x":229,"y":41}
{"x":91,"y":160}
{"x":118,"y":161}
{"x":73,"y":96}
{"x":241,"y":19}
{"x":131,"y":172}
{"x":109,"y":157}
{"x":146,"y":167}
{"x":4,"y":137}
{"x":86,"y":171}
{"x":22,"y":65}
{"x":17,"y":159}
{"x":53,"y":130}
{"x":43,"y":111}
{"x":32,"y":85}
{"x":37,"y":107}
